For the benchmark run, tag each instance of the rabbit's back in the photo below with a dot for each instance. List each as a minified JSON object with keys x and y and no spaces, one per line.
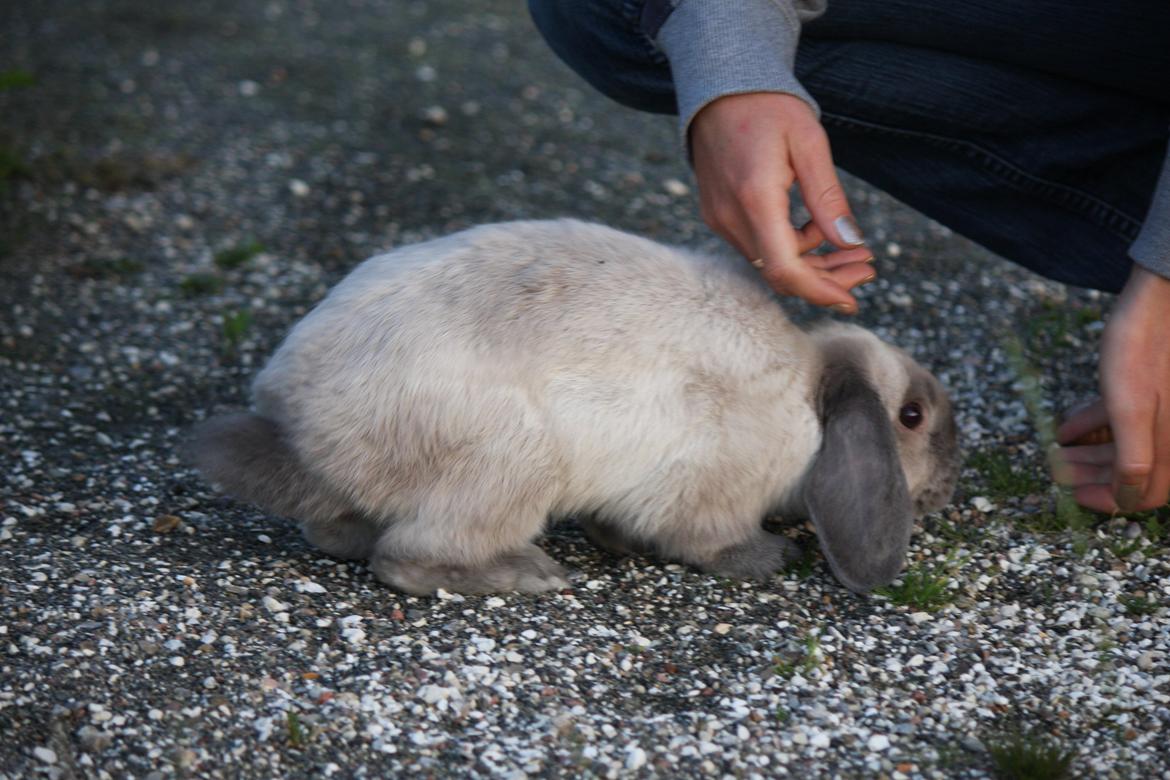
{"x":590,"y":356}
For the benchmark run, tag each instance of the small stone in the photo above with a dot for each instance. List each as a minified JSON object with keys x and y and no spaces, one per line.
{"x":635,"y":758}
{"x":1133,"y":531}
{"x":298,"y":188}
{"x":435,"y":115}
{"x":94,"y":739}
{"x":272,"y":605}
{"x":164,"y":524}
{"x":982,"y":504}
{"x":722,"y":628}
{"x":45,"y":755}
{"x":1145,"y":661}
{"x":248,"y":88}
{"x":971,"y":743}
{"x":676,"y":188}
{"x":878,"y":743}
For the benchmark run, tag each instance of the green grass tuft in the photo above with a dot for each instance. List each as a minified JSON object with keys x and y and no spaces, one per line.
{"x":1004,"y":480}
{"x":15,"y":79}
{"x":105,"y":268}
{"x":12,"y":165}
{"x":1139,"y":605}
{"x":297,"y":734}
{"x":1068,"y":515}
{"x":1029,"y":757}
{"x":238,"y":255}
{"x":200,"y":284}
{"x":235,"y":327}
{"x":803,"y":660}
{"x":921,"y":587}
{"x":802,"y":568}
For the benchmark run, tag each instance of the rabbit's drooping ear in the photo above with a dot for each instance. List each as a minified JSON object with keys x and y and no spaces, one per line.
{"x":855,"y":492}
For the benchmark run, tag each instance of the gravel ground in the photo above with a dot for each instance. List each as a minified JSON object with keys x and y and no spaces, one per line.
{"x":180,"y":182}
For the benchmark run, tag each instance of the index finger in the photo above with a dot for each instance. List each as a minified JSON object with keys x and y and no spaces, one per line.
{"x":786,"y":272}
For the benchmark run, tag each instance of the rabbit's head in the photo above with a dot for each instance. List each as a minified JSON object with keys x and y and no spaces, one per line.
{"x":889,"y":453}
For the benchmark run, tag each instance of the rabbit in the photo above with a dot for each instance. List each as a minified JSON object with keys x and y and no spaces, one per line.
{"x":447,"y":398}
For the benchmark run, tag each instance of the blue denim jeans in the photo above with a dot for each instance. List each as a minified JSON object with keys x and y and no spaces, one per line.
{"x":1037,"y":128}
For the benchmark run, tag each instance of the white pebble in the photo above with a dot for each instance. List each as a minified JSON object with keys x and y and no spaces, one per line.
{"x":676,"y":188}
{"x":435,"y":115}
{"x":272,"y":605}
{"x":635,"y":758}
{"x":877,"y":743}
{"x":298,"y":188}
{"x":722,"y":628}
{"x":45,"y":755}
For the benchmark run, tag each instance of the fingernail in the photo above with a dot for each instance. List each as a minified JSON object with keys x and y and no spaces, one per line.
{"x":867,"y":279}
{"x":848,"y":231}
{"x":869,"y":259}
{"x":841,"y":308}
{"x":1128,"y":497}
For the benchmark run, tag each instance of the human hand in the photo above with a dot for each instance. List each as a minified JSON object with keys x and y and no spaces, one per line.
{"x":1132,"y":472}
{"x":748,"y":150}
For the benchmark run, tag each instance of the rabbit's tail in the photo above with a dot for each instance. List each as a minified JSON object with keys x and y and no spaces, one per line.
{"x":248,"y":456}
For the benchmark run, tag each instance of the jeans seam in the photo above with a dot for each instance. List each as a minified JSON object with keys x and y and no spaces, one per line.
{"x":632,"y":11}
{"x":1105,"y":214}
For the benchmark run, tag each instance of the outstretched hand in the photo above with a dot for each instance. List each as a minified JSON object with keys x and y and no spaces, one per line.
{"x":1132,"y":472}
{"x":748,"y":151}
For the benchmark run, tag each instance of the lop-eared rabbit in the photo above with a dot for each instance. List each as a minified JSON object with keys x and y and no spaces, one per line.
{"x":447,"y":398}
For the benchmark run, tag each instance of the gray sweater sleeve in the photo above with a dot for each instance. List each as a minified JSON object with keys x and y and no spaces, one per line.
{"x":1152,"y":248}
{"x":719,"y":48}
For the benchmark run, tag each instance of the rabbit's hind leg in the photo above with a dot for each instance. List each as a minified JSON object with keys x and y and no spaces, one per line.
{"x":472,"y":526}
{"x":348,"y":535}
{"x":525,"y":570}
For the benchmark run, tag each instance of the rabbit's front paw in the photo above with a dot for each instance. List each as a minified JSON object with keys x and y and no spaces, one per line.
{"x":759,"y":557}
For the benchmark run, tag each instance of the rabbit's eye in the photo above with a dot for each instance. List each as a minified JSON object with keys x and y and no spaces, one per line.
{"x":910,"y":415}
